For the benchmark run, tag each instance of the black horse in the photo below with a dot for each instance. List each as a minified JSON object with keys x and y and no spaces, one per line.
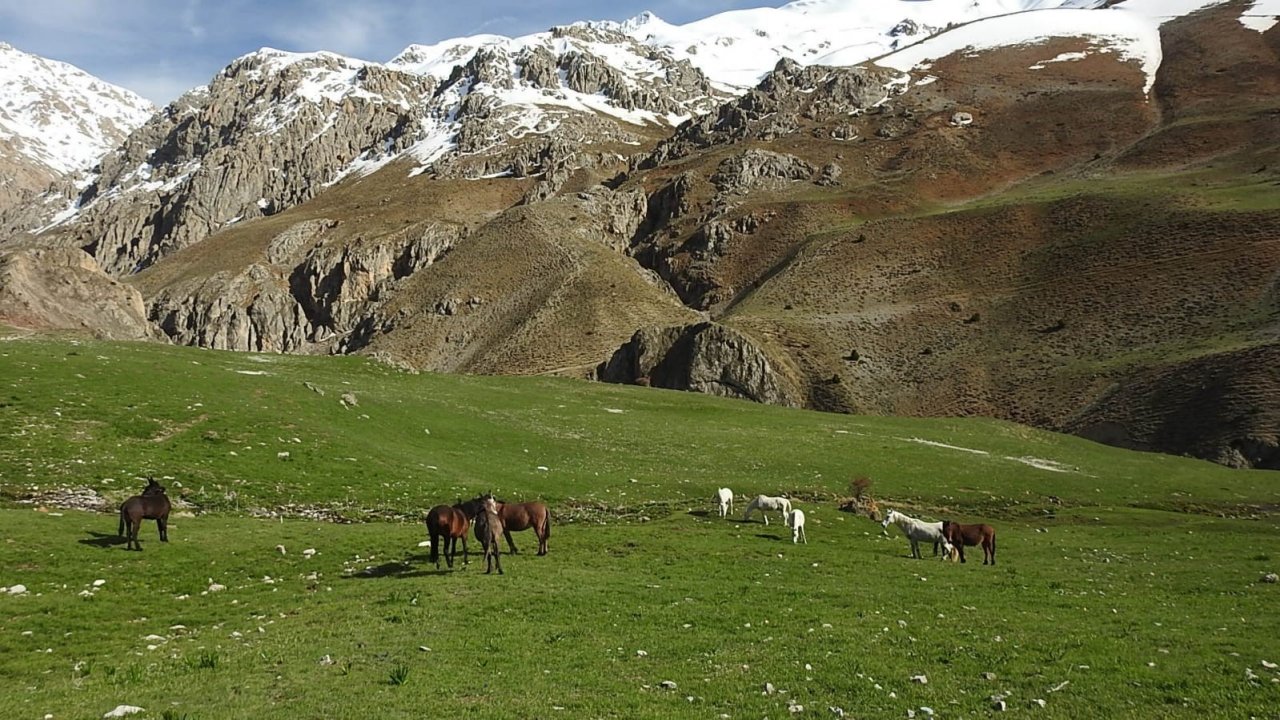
{"x":152,"y":504}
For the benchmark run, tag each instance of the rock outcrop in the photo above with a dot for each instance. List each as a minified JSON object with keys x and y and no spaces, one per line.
{"x":311,"y":287}
{"x":704,"y":357}
{"x":337,"y":285}
{"x":785,"y":99}
{"x":64,"y":289}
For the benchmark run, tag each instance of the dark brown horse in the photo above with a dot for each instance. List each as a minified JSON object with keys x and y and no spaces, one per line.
{"x":446,"y":525}
{"x":152,"y":504}
{"x":516,"y":517}
{"x":961,"y":535}
{"x":488,"y":529}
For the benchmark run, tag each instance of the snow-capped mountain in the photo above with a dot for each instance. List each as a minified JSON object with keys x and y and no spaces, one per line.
{"x":286,"y":125}
{"x":56,"y":119}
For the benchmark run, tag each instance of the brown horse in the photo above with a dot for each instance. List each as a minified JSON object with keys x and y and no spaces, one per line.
{"x":445,"y":525}
{"x":152,"y":504}
{"x":961,"y":535}
{"x":488,"y":529}
{"x":516,"y":517}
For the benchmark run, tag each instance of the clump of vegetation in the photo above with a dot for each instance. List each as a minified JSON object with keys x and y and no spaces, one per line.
{"x":399,"y":674}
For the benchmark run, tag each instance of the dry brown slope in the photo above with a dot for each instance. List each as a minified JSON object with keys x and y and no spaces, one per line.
{"x":542,"y":288}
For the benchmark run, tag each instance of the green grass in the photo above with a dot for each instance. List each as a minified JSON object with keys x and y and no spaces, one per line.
{"x":1141,"y":589}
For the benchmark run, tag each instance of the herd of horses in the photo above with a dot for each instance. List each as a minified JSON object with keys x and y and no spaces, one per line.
{"x":951,"y":537}
{"x":447,"y":524}
{"x":492,"y":518}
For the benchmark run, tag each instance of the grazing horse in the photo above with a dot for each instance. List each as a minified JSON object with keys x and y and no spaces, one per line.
{"x":795,"y":520}
{"x":488,"y":530}
{"x":724,"y":498}
{"x":916,"y":530}
{"x":516,"y":517}
{"x":764,"y":503}
{"x":446,"y":525}
{"x":981,"y":534}
{"x":152,"y":504}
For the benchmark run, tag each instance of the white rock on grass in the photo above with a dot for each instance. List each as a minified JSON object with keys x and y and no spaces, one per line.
{"x":280,"y":549}
{"x":99,"y":583}
{"x":922,"y":679}
{"x":123,"y":710}
{"x":216,"y":587}
{"x":667,"y":685}
{"x":17,"y":590}
{"x":308,"y":552}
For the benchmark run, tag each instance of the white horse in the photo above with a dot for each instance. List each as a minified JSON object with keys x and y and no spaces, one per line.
{"x":724,"y":496}
{"x":795,"y":520}
{"x":764,"y":503}
{"x":917,"y":530}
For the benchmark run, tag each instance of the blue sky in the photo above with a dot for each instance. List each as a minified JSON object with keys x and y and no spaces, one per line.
{"x":160,"y":48}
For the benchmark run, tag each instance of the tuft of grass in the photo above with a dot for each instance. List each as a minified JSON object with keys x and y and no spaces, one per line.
{"x":204,"y":660}
{"x":399,"y":674}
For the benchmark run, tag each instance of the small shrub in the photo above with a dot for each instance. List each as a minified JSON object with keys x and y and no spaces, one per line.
{"x":399,"y":674}
{"x":858,"y":486}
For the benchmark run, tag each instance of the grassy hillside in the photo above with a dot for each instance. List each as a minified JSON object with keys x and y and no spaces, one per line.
{"x":1138,"y":594}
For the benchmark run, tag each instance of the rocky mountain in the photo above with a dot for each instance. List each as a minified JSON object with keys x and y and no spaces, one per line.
{"x":55,"y":121}
{"x":1060,"y":213}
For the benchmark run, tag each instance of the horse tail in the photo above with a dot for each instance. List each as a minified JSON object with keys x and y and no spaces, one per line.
{"x":120,"y":532}
{"x":435,"y":545}
{"x":546,"y":525}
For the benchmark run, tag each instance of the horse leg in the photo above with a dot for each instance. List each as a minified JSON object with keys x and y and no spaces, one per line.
{"x":989,"y":546}
{"x":960,"y":547}
{"x":510,"y":545}
{"x":466,"y":557}
{"x":135,"y":526}
{"x":497,"y":558}
{"x":162,"y":524}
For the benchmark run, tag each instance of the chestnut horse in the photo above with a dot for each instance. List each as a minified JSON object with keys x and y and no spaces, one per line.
{"x":516,"y":517}
{"x":446,"y":525}
{"x":961,"y":535}
{"x":152,"y":504}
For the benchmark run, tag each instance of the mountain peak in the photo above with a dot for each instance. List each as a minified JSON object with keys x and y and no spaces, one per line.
{"x":56,"y":118}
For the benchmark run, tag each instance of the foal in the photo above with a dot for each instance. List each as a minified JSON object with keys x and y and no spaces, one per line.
{"x":488,"y":532}
{"x":152,"y":504}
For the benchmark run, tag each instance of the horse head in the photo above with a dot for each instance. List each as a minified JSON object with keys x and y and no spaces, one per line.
{"x":153,"y":487}
{"x":888,"y":518}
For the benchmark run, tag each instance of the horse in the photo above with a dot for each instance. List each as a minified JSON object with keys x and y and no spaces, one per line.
{"x":516,"y":517}
{"x":795,"y":520}
{"x":981,"y":534}
{"x":765,"y":503}
{"x":152,"y":504}
{"x":916,"y":530}
{"x":724,"y":498}
{"x":488,"y":529}
{"x":447,"y":525}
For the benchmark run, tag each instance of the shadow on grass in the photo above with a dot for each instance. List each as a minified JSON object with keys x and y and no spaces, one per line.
{"x":700,"y":513}
{"x":102,"y":540}
{"x":396,"y":570}
{"x":769,"y":536}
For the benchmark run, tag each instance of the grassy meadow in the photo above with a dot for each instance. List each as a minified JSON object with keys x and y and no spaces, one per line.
{"x":1127,"y":584}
